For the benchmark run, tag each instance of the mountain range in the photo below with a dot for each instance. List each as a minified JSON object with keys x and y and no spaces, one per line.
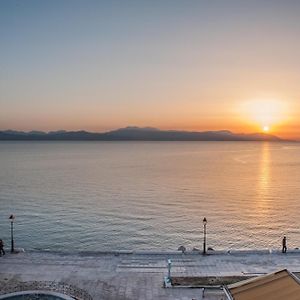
{"x":135,"y":134}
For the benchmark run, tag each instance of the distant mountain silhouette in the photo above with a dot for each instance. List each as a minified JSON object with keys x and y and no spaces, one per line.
{"x":135,"y":134}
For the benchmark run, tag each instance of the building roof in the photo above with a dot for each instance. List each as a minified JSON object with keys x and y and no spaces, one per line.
{"x":275,"y":286}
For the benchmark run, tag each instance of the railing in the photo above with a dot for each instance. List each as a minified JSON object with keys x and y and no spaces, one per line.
{"x":53,"y":286}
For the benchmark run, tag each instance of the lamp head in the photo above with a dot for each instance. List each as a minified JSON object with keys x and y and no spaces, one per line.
{"x":204,"y":221}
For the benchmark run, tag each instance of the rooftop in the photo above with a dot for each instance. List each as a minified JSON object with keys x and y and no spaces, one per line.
{"x":274,"y":286}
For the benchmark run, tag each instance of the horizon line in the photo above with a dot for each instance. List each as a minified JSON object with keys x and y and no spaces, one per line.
{"x":149,"y":128}
{"x":132,"y":127}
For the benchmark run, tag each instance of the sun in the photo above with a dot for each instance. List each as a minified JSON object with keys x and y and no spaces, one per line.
{"x":263,"y":113}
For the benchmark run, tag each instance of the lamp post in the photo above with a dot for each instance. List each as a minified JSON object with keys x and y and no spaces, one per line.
{"x":12,"y":218}
{"x":204,"y":235}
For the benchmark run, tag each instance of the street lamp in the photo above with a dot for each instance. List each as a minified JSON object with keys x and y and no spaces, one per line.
{"x":12,"y":218}
{"x":204,"y":235}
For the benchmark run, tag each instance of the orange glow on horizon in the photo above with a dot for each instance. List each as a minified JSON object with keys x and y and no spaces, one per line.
{"x":239,"y":117}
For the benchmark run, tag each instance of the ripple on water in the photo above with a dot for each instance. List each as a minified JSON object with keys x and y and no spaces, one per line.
{"x":103,"y":196}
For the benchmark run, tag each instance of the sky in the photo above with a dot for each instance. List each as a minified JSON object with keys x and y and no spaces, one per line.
{"x":190,"y":65}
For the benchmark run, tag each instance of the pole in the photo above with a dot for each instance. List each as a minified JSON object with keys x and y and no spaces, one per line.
{"x":204,"y":239}
{"x":12,"y":250}
{"x":169,"y":269}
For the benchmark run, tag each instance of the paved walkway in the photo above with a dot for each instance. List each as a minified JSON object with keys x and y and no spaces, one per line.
{"x":138,"y":275}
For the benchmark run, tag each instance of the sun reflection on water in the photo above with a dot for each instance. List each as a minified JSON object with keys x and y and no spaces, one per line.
{"x":264,"y":182}
{"x":265,"y":169}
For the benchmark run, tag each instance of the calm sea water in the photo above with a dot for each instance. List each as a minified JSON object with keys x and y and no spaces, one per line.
{"x":75,"y":196}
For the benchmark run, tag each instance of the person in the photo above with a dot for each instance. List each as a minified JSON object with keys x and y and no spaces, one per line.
{"x":2,"y":248}
{"x":284,"y":248}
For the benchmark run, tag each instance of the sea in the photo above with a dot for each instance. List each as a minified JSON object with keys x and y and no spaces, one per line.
{"x":102,"y":196}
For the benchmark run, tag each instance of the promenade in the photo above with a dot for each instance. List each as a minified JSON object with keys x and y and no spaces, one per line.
{"x":139,"y":275}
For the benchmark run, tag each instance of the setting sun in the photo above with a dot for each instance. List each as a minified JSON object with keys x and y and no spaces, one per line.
{"x":264,"y":113}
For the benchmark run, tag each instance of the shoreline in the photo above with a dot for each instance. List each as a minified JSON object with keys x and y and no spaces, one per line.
{"x":161,"y":252}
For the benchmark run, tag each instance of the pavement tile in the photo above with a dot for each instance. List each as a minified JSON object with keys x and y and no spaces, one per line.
{"x":137,"y":276}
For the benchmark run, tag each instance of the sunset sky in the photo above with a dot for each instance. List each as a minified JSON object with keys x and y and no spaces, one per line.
{"x":191,"y":65}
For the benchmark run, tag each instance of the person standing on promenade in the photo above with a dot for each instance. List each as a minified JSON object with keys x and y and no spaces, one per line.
{"x":2,"y":248}
{"x":284,"y":248}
